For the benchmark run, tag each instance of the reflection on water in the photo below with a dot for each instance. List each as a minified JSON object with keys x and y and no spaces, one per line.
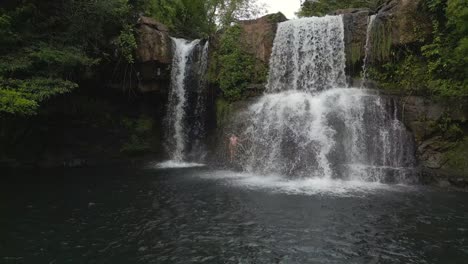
{"x":195,"y":215}
{"x":306,"y":186}
{"x":172,"y":164}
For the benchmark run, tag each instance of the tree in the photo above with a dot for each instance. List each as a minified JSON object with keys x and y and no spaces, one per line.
{"x":47,"y":47}
{"x":200,"y":18}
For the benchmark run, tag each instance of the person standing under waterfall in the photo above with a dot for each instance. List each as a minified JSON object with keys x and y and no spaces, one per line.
{"x":233,"y":146}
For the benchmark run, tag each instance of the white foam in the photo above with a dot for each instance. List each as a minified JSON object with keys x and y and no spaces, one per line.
{"x":173,"y":164}
{"x":308,"y":54}
{"x":305,"y":186}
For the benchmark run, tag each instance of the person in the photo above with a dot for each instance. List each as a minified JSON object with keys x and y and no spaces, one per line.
{"x":233,"y":145}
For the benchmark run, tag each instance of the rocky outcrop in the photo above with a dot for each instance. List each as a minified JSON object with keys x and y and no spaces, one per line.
{"x":259,"y":34}
{"x":355,"y":28}
{"x":397,"y":23}
{"x":423,"y":117}
{"x":154,"y":56}
{"x":406,"y":21}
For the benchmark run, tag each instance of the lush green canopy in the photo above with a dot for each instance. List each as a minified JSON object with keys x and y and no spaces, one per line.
{"x":50,"y":47}
{"x":47,"y":47}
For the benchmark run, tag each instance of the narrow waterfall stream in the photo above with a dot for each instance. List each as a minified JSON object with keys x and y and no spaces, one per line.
{"x":367,"y":49}
{"x":309,"y":124}
{"x":185,"y":112}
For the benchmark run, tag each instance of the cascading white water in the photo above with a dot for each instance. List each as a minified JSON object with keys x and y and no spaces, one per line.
{"x":367,"y":49}
{"x":310,"y":125}
{"x":198,"y":128}
{"x":186,"y":96}
{"x":177,"y":97}
{"x":308,"y":54}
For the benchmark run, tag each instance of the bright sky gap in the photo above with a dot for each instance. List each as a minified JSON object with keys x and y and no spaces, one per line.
{"x":287,"y":7}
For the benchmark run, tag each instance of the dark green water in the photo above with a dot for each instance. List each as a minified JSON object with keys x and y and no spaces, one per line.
{"x":124,"y":215}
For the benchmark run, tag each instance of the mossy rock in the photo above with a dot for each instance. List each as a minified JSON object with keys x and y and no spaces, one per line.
{"x":457,"y":158}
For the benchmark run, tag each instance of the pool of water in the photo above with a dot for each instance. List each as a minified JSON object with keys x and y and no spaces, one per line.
{"x":199,"y":215}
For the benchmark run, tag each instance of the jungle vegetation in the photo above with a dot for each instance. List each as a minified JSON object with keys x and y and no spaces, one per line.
{"x":48,"y":48}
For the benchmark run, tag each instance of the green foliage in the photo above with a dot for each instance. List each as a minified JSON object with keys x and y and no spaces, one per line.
{"x":127,"y":44}
{"x":408,"y":75}
{"x":447,"y":54}
{"x":93,"y":23}
{"x":23,"y":97}
{"x":458,"y":157}
{"x":237,"y":68}
{"x":447,"y":127}
{"x":436,"y":67}
{"x":38,"y":89}
{"x":13,"y":102}
{"x":323,"y":7}
{"x":199,"y":18}
{"x":140,"y":131}
{"x":164,"y":11}
{"x":8,"y":37}
{"x":47,"y":47}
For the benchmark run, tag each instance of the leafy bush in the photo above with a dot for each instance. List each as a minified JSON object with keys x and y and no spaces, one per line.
{"x":127,"y":44}
{"x":436,"y":67}
{"x":48,"y":47}
{"x":237,"y":68}
{"x":24,"y":96}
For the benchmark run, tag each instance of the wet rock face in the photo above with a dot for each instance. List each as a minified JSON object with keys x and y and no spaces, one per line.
{"x":154,"y":43}
{"x":355,"y":28}
{"x":153,"y":56}
{"x":258,"y":35}
{"x":398,"y":22}
{"x":421,"y":115}
{"x":406,"y":19}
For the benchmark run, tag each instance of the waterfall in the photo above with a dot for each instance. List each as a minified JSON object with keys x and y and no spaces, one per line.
{"x":308,"y":54}
{"x":368,"y":49}
{"x":199,"y":132}
{"x":184,"y":130}
{"x":309,"y":124}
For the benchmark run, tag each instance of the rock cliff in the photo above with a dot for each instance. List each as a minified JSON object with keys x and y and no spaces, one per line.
{"x":258,"y":35}
{"x":406,"y":21}
{"x":355,"y":22}
{"x":397,"y":23}
{"x":435,"y":145}
{"x":154,"y":56}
